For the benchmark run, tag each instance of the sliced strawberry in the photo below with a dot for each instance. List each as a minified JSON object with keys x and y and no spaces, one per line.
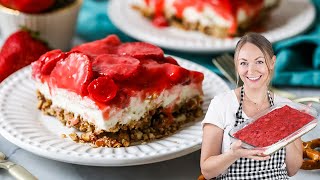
{"x":104,"y":46}
{"x":160,"y":21}
{"x":140,"y":50}
{"x":176,"y":74}
{"x":73,"y":73}
{"x":196,"y":77}
{"x":115,"y":66}
{"x":50,"y":59}
{"x":102,"y":89}
{"x":160,"y":76}
{"x":170,"y":60}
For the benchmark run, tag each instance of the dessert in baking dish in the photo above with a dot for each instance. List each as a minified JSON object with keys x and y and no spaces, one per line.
{"x":273,"y":127}
{"x":117,"y":93}
{"x":219,"y":18}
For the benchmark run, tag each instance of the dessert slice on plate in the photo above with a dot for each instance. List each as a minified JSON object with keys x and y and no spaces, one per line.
{"x":219,"y":18}
{"x":117,"y":93}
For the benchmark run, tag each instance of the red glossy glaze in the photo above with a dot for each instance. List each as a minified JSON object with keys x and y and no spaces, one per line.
{"x":273,"y":126}
{"x":111,"y":79}
{"x":158,"y":19}
{"x":151,"y":78}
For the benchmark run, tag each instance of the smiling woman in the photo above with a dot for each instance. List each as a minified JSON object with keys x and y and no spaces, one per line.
{"x":254,"y":62}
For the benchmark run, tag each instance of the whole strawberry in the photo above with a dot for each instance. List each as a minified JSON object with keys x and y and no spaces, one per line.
{"x":28,"y":6}
{"x":19,"y":50}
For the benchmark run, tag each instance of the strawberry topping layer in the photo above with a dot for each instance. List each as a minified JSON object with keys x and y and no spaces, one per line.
{"x":110,"y":72}
{"x":274,"y":126}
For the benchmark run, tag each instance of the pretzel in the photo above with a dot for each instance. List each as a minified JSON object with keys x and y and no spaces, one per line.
{"x":201,"y":177}
{"x":311,"y":155}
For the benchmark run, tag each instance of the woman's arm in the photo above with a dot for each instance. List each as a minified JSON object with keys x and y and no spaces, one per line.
{"x":212,"y":162}
{"x":294,"y":156}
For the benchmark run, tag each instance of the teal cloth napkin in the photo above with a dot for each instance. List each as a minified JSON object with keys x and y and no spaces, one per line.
{"x":298,"y":58}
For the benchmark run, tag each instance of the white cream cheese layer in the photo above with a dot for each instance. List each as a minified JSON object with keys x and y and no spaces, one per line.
{"x":136,"y":109}
{"x":207,"y":17}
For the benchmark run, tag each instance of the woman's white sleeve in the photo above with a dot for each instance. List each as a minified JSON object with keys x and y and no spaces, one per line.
{"x":214,"y":114}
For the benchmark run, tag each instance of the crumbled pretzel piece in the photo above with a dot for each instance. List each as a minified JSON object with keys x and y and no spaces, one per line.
{"x":311,"y":155}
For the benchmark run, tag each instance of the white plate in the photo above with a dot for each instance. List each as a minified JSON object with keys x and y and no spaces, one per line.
{"x":24,"y":125}
{"x":289,"y":19}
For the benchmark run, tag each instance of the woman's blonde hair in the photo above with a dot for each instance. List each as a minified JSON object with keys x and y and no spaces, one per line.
{"x":262,"y":43}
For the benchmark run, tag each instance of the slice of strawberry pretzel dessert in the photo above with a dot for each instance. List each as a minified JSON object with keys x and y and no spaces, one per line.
{"x":218,"y":18}
{"x":117,"y":93}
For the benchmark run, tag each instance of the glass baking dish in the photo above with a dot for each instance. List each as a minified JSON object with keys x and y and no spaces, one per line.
{"x":268,"y":150}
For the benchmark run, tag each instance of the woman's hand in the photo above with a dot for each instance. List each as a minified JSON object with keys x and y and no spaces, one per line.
{"x":240,"y":152}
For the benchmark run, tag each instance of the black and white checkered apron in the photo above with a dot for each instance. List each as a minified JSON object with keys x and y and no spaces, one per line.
{"x":245,"y":168}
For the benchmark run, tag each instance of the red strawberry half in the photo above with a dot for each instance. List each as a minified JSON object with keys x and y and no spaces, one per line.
{"x":115,"y":66}
{"x":18,"y":51}
{"x":73,"y":73}
{"x":102,"y":89}
{"x":140,"y":50}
